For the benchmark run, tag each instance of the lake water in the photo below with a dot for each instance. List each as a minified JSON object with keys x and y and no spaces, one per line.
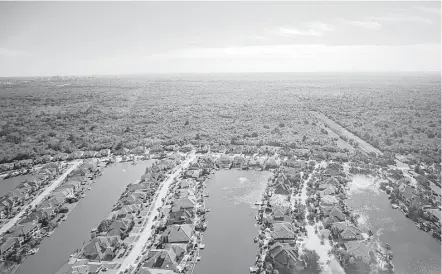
{"x":92,"y":209}
{"x":415,"y":251}
{"x":9,"y":184}
{"x":231,"y":222}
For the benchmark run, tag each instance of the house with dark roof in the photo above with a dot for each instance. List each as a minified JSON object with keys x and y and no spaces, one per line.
{"x":409,"y":196}
{"x":100,"y":248}
{"x":285,"y":258}
{"x":281,"y":187}
{"x":362,"y":253}
{"x":283,"y":232}
{"x":224,"y":162}
{"x":281,"y":214}
{"x":182,"y":210}
{"x":163,"y":259}
{"x":26,"y":230}
{"x":343,"y":231}
{"x":8,"y":246}
{"x":332,"y":215}
{"x":434,"y":214}
{"x":178,"y":233}
{"x":270,"y":164}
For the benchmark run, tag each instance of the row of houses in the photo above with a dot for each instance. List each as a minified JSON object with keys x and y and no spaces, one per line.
{"x":11,"y":202}
{"x":182,"y":221}
{"x":337,"y":220}
{"x":115,"y":235}
{"x":29,"y":163}
{"x":42,"y":219}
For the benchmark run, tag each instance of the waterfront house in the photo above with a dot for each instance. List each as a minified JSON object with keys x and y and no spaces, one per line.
{"x":250,"y":150}
{"x":26,"y":230}
{"x":75,"y":155}
{"x":343,"y":231}
{"x":332,"y":215}
{"x":271,"y":164}
{"x":408,"y":195}
{"x":100,"y":248}
{"x":238,"y":162}
{"x":434,"y":214}
{"x":254,"y":164}
{"x":224,"y":162}
{"x":147,"y":270}
{"x":281,"y":187}
{"x":104,"y":152}
{"x":329,"y":200}
{"x":162,"y":259}
{"x":118,"y":227}
{"x":285,"y":258}
{"x":283,"y":232}
{"x":179,"y":215}
{"x":362,"y":253}
{"x":281,"y":214}
{"x":178,"y":233}
{"x":134,"y":198}
{"x":8,"y":246}
{"x":139,"y":150}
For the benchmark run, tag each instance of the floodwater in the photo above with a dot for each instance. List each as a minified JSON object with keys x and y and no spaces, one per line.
{"x":231,"y":221}
{"x":414,"y":251}
{"x":9,"y":184}
{"x":92,"y":209}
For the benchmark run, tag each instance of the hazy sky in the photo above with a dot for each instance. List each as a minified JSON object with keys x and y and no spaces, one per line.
{"x":68,"y":38}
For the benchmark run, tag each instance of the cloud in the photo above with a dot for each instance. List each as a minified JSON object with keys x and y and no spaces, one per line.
{"x":367,"y":24}
{"x":310,"y":29}
{"x":4,"y":52}
{"x":299,"y":57}
{"x":401,"y":18}
{"x":259,"y":38}
{"x":271,"y":51}
{"x":432,"y":10}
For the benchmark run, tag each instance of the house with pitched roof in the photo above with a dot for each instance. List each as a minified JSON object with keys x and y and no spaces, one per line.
{"x":343,"y":231}
{"x":100,"y":248}
{"x":332,"y":215}
{"x":409,"y":195}
{"x":283,"y":232}
{"x":285,"y":258}
{"x":8,"y":246}
{"x":363,"y":255}
{"x":178,"y":233}
{"x":162,"y":259}
{"x":281,"y":214}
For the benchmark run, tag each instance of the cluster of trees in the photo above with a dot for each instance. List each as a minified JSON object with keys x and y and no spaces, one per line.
{"x":94,"y":114}
{"x":394,"y":114}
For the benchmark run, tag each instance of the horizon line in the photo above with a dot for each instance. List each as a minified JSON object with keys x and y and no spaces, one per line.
{"x":219,"y":73}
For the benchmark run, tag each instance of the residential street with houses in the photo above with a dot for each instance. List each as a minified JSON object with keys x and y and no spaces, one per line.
{"x":147,"y":232}
{"x":40,"y":197}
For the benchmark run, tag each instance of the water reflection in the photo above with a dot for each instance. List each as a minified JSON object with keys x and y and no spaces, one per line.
{"x":69,"y":235}
{"x":231,"y":221}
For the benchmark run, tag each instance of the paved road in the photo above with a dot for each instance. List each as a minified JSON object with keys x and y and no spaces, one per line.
{"x":147,"y":232}
{"x":40,"y":197}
